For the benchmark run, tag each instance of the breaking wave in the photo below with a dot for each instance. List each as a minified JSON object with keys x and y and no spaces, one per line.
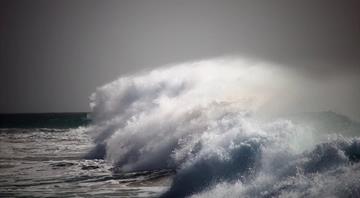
{"x":205,"y":121}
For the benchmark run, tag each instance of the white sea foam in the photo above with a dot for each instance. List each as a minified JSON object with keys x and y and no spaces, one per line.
{"x":202,"y":119}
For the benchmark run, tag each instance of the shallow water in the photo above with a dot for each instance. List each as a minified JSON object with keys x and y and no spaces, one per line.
{"x":50,"y":163}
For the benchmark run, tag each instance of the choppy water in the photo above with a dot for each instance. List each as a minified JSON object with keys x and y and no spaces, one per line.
{"x":50,"y":163}
{"x":192,"y":130}
{"x":211,"y":122}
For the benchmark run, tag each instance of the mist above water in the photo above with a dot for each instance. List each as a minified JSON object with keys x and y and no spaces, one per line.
{"x":217,"y":123}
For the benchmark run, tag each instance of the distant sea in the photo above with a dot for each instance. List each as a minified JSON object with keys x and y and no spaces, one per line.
{"x":44,"y":120}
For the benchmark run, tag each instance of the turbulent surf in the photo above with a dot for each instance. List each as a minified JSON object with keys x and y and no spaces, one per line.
{"x":216,"y":128}
{"x":223,"y":128}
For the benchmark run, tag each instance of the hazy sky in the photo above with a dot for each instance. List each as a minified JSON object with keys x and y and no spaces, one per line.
{"x":53,"y":54}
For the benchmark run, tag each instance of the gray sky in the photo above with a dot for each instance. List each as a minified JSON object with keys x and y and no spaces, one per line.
{"x":53,"y":54}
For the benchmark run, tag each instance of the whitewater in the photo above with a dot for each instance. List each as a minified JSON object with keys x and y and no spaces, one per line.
{"x":223,"y":128}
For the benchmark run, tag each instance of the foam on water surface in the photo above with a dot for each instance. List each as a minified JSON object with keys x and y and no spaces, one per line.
{"x":205,"y":120}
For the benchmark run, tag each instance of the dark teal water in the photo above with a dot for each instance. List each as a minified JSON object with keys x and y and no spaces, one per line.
{"x":44,"y":120}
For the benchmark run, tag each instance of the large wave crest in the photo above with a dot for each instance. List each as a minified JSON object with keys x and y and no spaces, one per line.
{"x":204,"y":120}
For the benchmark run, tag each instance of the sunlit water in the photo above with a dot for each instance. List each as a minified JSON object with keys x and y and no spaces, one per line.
{"x":50,"y":163}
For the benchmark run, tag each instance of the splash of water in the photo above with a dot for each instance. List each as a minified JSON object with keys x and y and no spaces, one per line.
{"x":201,"y":119}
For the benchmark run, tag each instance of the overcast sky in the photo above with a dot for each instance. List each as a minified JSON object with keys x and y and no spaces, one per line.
{"x":53,"y":54}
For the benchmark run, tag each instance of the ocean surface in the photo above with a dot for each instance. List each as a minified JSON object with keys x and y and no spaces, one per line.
{"x":58,"y":162}
{"x":37,"y":161}
{"x":209,"y":129}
